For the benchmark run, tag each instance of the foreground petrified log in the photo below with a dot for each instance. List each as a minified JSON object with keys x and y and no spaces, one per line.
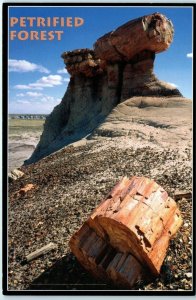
{"x":128,"y":233}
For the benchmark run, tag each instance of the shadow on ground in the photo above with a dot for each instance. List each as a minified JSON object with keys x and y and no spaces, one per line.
{"x":68,"y":274}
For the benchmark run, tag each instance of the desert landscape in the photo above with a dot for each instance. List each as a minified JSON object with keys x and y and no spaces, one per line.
{"x":116,"y":119}
{"x":24,"y":134}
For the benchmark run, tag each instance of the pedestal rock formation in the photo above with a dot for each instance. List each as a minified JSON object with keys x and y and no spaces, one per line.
{"x":119,"y":67}
{"x":128,"y":234}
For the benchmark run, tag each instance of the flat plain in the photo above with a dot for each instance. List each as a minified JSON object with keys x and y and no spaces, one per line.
{"x":23,"y":136}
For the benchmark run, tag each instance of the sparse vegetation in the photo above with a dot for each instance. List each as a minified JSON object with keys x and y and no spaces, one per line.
{"x":18,"y":126}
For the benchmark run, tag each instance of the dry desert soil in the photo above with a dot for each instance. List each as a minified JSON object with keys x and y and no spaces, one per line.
{"x":23,"y":138}
{"x":149,"y":137}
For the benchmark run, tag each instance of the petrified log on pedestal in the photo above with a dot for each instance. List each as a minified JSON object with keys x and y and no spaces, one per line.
{"x":153,"y":32}
{"x":118,"y":68}
{"x":128,"y":233}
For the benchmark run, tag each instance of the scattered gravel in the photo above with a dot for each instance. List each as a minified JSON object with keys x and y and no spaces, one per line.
{"x":68,"y":186}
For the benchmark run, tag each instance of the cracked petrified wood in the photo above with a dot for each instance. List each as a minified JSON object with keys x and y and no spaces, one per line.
{"x":128,"y":234}
{"x":82,"y":61}
{"x":153,"y":33}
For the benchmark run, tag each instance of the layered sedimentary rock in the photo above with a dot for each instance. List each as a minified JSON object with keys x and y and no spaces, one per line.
{"x":119,"y":67}
{"x":128,"y":233}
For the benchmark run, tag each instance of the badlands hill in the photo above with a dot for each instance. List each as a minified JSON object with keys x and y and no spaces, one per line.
{"x":119,"y":68}
{"x":115,"y":119}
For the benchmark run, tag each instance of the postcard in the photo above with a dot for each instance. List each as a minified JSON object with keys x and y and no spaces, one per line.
{"x":98,"y":104}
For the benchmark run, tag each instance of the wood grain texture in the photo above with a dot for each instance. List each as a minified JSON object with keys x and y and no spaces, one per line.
{"x":153,"y":32}
{"x":129,"y":230}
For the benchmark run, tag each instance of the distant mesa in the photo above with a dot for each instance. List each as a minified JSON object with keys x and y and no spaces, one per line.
{"x":119,"y":67}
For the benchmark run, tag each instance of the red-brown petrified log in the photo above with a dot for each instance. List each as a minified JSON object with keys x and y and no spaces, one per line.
{"x":128,"y":232}
{"x":140,"y":37}
{"x":153,"y":33}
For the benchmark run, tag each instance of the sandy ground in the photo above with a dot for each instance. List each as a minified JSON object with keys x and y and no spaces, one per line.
{"x":22,"y":140}
{"x":20,"y":148}
{"x":141,"y":123}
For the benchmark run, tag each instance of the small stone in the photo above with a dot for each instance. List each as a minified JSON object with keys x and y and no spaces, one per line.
{"x":185,"y":239}
{"x":26,"y":188}
{"x":169,"y":258}
{"x":15,"y":174}
{"x":188,"y":275}
{"x":182,"y":194}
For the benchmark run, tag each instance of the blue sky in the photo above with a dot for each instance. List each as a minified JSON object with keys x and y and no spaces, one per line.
{"x":37,"y":79}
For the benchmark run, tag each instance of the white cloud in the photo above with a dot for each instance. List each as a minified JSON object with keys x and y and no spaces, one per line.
{"x":23,"y":101}
{"x":33,"y":107}
{"x":66,"y":79}
{"x":46,"y":98}
{"x":34,"y":97}
{"x":34,"y":94}
{"x":189,"y":55}
{"x":173,"y":84}
{"x":62,"y":71}
{"x":21,"y":87}
{"x":50,"y":99}
{"x":48,"y":81}
{"x":25,"y":66}
{"x":20,"y":95}
{"x":43,"y":82}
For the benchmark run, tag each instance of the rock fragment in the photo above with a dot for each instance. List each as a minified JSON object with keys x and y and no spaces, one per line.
{"x":15,"y":174}
{"x":182,"y":194}
{"x":188,"y":275}
{"x":82,"y":61}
